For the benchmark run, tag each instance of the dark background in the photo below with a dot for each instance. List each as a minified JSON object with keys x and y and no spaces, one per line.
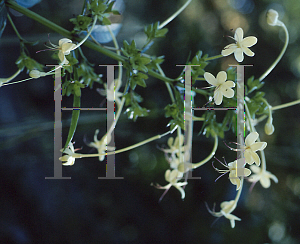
{"x":87,"y":210}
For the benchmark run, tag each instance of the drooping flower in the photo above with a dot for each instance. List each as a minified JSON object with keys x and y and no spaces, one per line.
{"x":262,"y":176}
{"x":70,"y":155}
{"x":101,"y":145}
{"x":226,"y":208}
{"x":223,"y":87}
{"x":234,"y":169}
{"x":251,"y":148}
{"x":112,"y":93}
{"x":65,"y":46}
{"x":241,"y":46}
{"x":173,"y":178}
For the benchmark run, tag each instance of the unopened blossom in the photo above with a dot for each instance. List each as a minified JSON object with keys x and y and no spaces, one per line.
{"x":241,"y":46}
{"x":269,"y":127}
{"x":251,"y":148}
{"x":272,"y":17}
{"x":226,"y":208}
{"x":70,"y":155}
{"x":101,"y":145}
{"x":223,"y":87}
{"x":262,"y":176}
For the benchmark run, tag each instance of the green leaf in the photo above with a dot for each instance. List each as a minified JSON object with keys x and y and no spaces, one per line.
{"x":253,"y":84}
{"x":106,"y":21}
{"x":81,"y":22}
{"x":74,"y":121}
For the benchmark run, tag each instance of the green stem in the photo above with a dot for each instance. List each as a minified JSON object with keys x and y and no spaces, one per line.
{"x":14,"y":27}
{"x":214,"y":57}
{"x":196,"y":165}
{"x":285,"y":105}
{"x":167,"y":84}
{"x":268,"y":71}
{"x":173,"y":16}
{"x":68,"y":34}
{"x":127,"y":148}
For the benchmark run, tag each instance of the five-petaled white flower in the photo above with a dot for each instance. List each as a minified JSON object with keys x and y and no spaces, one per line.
{"x":101,"y":145}
{"x":251,"y":148}
{"x":262,"y":176}
{"x":226,"y":208}
{"x":223,"y":87}
{"x":241,"y":46}
{"x":71,"y":155}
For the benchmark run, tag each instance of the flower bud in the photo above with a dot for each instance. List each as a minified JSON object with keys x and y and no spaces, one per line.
{"x":35,"y":74}
{"x":269,"y":128}
{"x":272,"y":17}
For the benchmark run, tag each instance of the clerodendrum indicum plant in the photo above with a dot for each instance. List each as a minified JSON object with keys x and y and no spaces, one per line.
{"x":94,"y":23}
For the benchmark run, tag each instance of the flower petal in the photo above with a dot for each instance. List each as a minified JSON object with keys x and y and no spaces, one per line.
{"x":265,"y":182}
{"x":258,"y":146}
{"x":247,"y":172}
{"x":221,"y":77}
{"x":255,"y":158}
{"x":251,"y":138}
{"x":229,"y":83}
{"x":249,"y":41}
{"x":67,"y":47}
{"x":248,"y":52}
{"x":64,"y":40}
{"x":239,"y":34}
{"x":210,"y":79}
{"x":239,"y":55}
{"x":255,"y":169}
{"x":273,"y":177}
{"x":227,"y":92}
{"x":218,"y":96}
{"x":229,"y":49}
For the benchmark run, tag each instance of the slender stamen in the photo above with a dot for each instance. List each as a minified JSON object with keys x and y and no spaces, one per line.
{"x":222,"y":175}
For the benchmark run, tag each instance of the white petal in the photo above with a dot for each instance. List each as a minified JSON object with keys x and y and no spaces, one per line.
{"x":221,"y":77}
{"x":64,"y":40}
{"x":218,"y":97}
{"x":229,"y":83}
{"x":239,"y":34}
{"x":239,"y":55}
{"x":247,"y":172}
{"x":265,"y":182}
{"x":248,"y":52}
{"x":67,"y":47}
{"x":255,"y":158}
{"x":251,"y":138}
{"x":249,"y":41}
{"x":258,"y":146}
{"x":227,"y":92}
{"x":210,"y":79}
{"x":229,"y":49}
{"x":255,"y":169}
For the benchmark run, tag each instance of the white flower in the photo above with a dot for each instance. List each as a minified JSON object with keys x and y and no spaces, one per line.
{"x":269,"y":127}
{"x":241,"y":46}
{"x":223,"y":87}
{"x":262,"y":176}
{"x":101,"y":145}
{"x":65,"y":46}
{"x":173,"y":177}
{"x":37,"y":74}
{"x":112,"y":93}
{"x":272,"y":17}
{"x":251,"y":148}
{"x":226,"y":208}
{"x":234,"y":172}
{"x":71,"y":155}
